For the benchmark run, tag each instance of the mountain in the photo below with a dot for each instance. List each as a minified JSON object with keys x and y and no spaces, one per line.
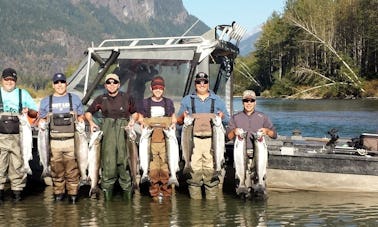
{"x":41,"y":37}
{"x":247,"y":45}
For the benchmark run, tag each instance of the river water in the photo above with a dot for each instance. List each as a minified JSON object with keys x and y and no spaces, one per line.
{"x":312,"y":117}
{"x":316,"y":117}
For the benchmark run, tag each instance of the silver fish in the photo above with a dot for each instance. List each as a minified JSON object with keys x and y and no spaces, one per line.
{"x":144,"y":152}
{"x":94,"y":161}
{"x":261,"y":160}
{"x":81,"y":150}
{"x":133,"y":155}
{"x":187,"y":142}
{"x":218,"y":144}
{"x":173,"y":154}
{"x":26,"y":139}
{"x":44,"y":147}
{"x":240,"y":161}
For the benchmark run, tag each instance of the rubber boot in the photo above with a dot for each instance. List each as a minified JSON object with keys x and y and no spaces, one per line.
{"x":1,"y":196}
{"x":127,"y":195}
{"x":195,"y":192}
{"x":59,"y":197}
{"x":72,"y":199}
{"x":16,"y":196}
{"x":108,"y":195}
{"x":211,"y":192}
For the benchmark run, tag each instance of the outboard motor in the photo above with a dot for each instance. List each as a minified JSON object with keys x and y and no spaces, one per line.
{"x":334,"y":138}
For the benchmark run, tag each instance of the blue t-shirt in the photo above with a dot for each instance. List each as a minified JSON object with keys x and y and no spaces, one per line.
{"x":60,"y":104}
{"x":204,"y":106}
{"x":11,"y":100}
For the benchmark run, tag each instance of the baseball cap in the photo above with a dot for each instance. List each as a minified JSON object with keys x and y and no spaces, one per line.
{"x":112,"y":76}
{"x":202,"y":76}
{"x":249,"y":94}
{"x":157,"y":82}
{"x":59,"y":77}
{"x":9,"y":72}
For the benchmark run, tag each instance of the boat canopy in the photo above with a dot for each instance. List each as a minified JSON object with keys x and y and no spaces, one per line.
{"x":177,"y":59}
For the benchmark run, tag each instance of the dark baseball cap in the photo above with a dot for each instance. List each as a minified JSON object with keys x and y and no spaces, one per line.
{"x":59,"y":77}
{"x":201,"y":76}
{"x":9,"y":72}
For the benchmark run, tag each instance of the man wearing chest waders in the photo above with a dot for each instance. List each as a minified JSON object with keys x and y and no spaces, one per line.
{"x":61,"y":110}
{"x":13,"y":102}
{"x":203,"y":106}
{"x":118,"y":111}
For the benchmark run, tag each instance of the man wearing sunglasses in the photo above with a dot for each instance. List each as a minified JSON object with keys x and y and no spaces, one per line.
{"x":60,"y":111}
{"x":203,"y":105}
{"x":250,"y":121}
{"x":13,"y":101}
{"x":118,"y":111}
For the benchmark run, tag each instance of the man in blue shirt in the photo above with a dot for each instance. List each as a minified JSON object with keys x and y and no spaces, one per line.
{"x":203,"y":105}
{"x":61,"y":110}
{"x":13,"y":101}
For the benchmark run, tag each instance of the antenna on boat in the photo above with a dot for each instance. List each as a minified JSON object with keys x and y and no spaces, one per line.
{"x":188,"y":30}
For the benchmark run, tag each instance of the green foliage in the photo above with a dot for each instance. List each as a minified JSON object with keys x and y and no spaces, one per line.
{"x":329,"y":45}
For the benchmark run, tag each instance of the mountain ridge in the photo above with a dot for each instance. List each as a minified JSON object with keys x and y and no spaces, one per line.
{"x":41,"y":37}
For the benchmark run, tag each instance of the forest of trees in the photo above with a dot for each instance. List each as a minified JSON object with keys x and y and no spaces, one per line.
{"x":327,"y":48}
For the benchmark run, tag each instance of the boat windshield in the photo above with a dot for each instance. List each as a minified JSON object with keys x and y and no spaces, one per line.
{"x":136,"y":68}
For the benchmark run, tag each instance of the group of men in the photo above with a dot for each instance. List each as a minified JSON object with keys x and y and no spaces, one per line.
{"x":62,"y":110}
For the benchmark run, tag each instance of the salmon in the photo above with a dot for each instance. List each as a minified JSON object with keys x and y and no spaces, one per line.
{"x":218,"y":144}
{"x":94,"y":161}
{"x":173,"y":154}
{"x":144,"y":152}
{"x":240,"y":161}
{"x":133,"y":157}
{"x":187,"y":143}
{"x":261,"y":161}
{"x":44,"y":147}
{"x":81,"y":150}
{"x":26,"y":139}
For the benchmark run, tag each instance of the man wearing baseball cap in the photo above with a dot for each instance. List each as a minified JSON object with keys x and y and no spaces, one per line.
{"x":203,"y":105}
{"x":118,"y":111}
{"x":61,"y":110}
{"x":13,"y":102}
{"x":249,"y":121}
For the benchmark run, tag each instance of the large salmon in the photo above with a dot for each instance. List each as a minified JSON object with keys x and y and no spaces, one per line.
{"x":218,"y":144}
{"x":261,"y":161}
{"x":187,"y":143}
{"x":94,"y":161}
{"x":26,"y":139}
{"x":81,"y":150}
{"x":44,"y":147}
{"x":144,"y":152}
{"x":173,"y":154}
{"x":133,"y":157}
{"x":240,"y":161}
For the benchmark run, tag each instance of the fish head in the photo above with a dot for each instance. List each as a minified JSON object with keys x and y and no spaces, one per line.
{"x":188,"y":120}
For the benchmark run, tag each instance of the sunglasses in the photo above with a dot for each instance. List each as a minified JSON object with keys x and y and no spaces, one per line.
{"x":111,"y":82}
{"x":200,"y":81}
{"x":60,"y":81}
{"x":9,"y":79}
{"x":249,"y":100}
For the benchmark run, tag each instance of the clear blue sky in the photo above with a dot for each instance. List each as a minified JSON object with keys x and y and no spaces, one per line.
{"x":248,"y":13}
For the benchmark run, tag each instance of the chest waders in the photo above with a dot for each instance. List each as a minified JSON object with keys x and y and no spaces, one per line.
{"x":202,"y":159}
{"x":114,"y":155}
